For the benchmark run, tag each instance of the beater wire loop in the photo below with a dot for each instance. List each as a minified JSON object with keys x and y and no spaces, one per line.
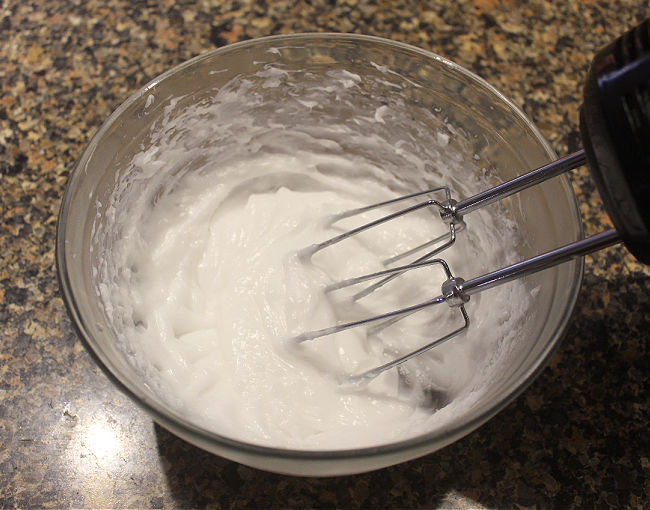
{"x":306,"y":253}
{"x":374,"y":372}
{"x":392,"y":315}
{"x":394,"y":274}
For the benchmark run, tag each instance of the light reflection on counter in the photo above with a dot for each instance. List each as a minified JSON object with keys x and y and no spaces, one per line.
{"x":102,"y":441}
{"x":105,"y":451}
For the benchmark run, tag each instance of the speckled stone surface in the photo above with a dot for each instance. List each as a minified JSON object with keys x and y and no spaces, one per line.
{"x":578,"y":437}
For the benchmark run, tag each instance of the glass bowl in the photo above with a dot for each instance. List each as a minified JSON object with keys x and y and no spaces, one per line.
{"x":478,"y":122}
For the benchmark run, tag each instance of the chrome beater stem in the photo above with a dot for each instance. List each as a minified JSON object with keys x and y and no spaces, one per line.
{"x":525,"y":181}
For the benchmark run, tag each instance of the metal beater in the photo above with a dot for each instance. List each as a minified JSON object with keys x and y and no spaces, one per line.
{"x":615,"y":128}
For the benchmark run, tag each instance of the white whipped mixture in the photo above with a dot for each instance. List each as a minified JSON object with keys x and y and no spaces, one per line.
{"x":200,"y":278}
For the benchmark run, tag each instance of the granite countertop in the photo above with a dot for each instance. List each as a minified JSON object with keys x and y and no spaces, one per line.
{"x":578,"y":437}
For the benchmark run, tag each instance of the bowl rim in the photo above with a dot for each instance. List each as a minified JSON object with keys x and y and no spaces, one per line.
{"x":174,"y":421}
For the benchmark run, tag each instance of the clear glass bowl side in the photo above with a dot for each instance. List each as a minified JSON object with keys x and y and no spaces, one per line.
{"x":487,"y":127}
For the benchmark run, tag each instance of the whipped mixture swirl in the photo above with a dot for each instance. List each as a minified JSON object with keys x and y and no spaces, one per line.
{"x":200,"y":279}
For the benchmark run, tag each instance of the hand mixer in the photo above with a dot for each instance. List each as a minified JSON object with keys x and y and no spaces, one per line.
{"x":615,"y":129}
